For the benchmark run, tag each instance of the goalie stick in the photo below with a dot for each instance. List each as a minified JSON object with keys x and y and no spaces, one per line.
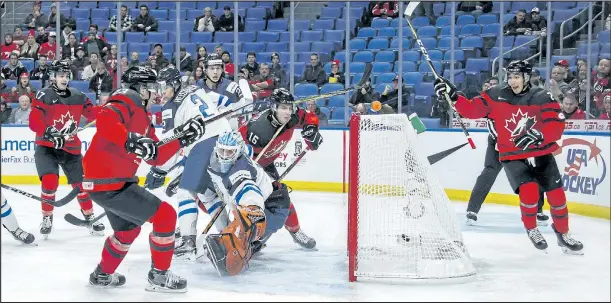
{"x":408,"y":12}
{"x":58,"y":203}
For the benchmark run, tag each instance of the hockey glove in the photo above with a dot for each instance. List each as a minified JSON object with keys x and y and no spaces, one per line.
{"x":193,"y":130}
{"x":529,"y":138}
{"x":312,"y":136}
{"x":155,"y":178}
{"x":54,"y":136}
{"x":143,"y":147}
{"x":442,"y":87}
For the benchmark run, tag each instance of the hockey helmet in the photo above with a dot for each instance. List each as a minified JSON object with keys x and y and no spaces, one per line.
{"x":61,"y":66}
{"x":282,"y":96}
{"x":169,"y":77}
{"x":214,"y":60}
{"x":137,"y":76}
{"x":229,"y":146}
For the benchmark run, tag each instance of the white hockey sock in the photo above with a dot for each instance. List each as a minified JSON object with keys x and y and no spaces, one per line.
{"x":187,"y":213}
{"x":8,"y":217}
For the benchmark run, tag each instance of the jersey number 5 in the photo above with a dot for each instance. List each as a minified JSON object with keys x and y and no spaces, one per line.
{"x":203,"y":108}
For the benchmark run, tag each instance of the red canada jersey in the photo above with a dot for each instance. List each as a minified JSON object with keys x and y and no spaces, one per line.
{"x":512,"y":115}
{"x":577,"y":114}
{"x":605,"y":116}
{"x":107,"y":165}
{"x":50,"y":109}
{"x":259,"y":132}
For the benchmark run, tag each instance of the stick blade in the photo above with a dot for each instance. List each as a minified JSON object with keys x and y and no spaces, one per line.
{"x":366,"y":74}
{"x":434,"y":158}
{"x":409,"y":10}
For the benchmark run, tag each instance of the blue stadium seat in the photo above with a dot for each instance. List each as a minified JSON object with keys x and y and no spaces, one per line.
{"x":516,"y":6}
{"x":487,"y":19}
{"x":102,"y":23}
{"x":256,"y":47}
{"x":150,"y":4}
{"x":439,"y":8}
{"x":387,"y":32}
{"x":324,"y":110}
{"x":603,"y":37}
{"x":336,"y":35}
{"x":299,"y":68}
{"x":277,"y":25}
{"x":164,"y":5}
{"x":81,"y":13}
{"x":322,"y":47}
{"x":394,"y":43}
{"x":465,"y":19}
{"x":159,"y":14}
{"x":28,"y":64}
{"x":277,"y":46}
{"x":385,"y":56}
{"x":302,"y":25}
{"x":443,"y":21}
{"x":336,"y":4}
{"x":246,"y":4}
{"x":166,"y":25}
{"x":268,"y":36}
{"x":379,"y":23}
{"x":472,"y":42}
{"x":191,"y":14}
{"x":357,"y":67}
{"x":425,"y":89}
{"x":425,"y":68}
{"x":523,"y":39}
{"x":435,"y":55}
{"x":223,"y":37}
{"x":412,"y":78}
{"x":311,"y":36}
{"x":408,"y":66}
{"x":101,"y":13}
{"x":477,"y":65}
{"x":341,"y":24}
{"x":266,"y":4}
{"x":331,"y":87}
{"x":303,"y":46}
{"x":381,"y":67}
{"x":429,"y":43}
{"x":470,"y":30}
{"x":184,"y":36}
{"x":37,"y":84}
{"x":459,"y":55}
{"x":201,"y":37}
{"x":305,"y":90}
{"x":138,"y":47}
{"x":395,"y":22}
{"x":357,"y":44}
{"x":339,"y":113}
{"x":366,"y":32}
{"x":421,"y":21}
{"x":411,"y":55}
{"x":134,"y":37}
{"x":563,"y":5}
{"x":363,"y":56}
{"x":111,"y":37}
{"x":341,"y":56}
{"x":507,"y":41}
{"x":496,"y":7}
{"x":83,"y":24}
{"x":158,"y":37}
{"x":337,"y":101}
{"x":87,"y":5}
{"x":491,"y":30}
{"x":323,"y":24}
{"x":331,"y":13}
{"x":255,"y":25}
{"x":385,"y":77}
{"x":446,"y":31}
{"x":495,"y":52}
{"x":427,"y":31}
{"x":130,"y":4}
{"x":80,"y":85}
{"x":247,"y":36}
{"x":377,"y":44}
{"x":106,"y":4}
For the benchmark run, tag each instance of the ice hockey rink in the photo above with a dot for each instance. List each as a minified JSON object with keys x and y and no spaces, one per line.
{"x":508,"y":267}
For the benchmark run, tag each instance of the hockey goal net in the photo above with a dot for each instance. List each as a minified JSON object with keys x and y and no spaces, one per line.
{"x":400,"y":221}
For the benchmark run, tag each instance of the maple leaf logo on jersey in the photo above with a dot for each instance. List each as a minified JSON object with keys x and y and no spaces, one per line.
{"x":274,"y":150}
{"x":519,"y":123}
{"x":66,"y":125}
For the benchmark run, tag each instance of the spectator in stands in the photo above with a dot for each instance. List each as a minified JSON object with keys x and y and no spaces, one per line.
{"x":35,"y":19}
{"x":518,"y":24}
{"x":13,"y":68}
{"x":124,"y":64}
{"x":243,"y":74}
{"x":608,"y":23}
{"x":336,"y":76}
{"x":52,"y":19}
{"x":93,"y":28}
{"x":226,"y":20}
{"x":126,"y":21}
{"x":21,"y":115}
{"x":64,"y":36}
{"x":364,"y":95}
{"x":161,"y":60}
{"x":30,"y":48}
{"x":312,"y":107}
{"x":556,"y":84}
{"x":207,"y":22}
{"x":474,"y":8}
{"x":186,"y":61}
{"x":69,"y":50}
{"x":601,"y":81}
{"x":494,"y":81}
{"x":49,"y":48}
{"x":202,"y":53}
{"x":538,"y":22}
{"x":568,"y":75}
{"x":93,"y":44}
{"x":135,"y":59}
{"x":18,"y":36}
{"x":606,"y":112}
{"x":251,"y":65}
{"x":386,"y":9}
{"x":535,"y":79}
{"x":360,"y":109}
{"x":314,"y":72}
{"x":5,"y":112}
{"x":219,"y":50}
{"x":24,"y":87}
{"x":5,"y":91}
{"x":263,"y":84}
{"x":199,"y":74}
{"x":101,"y":81}
{"x":277,"y":71}
{"x":90,"y":70}
{"x":145,"y":22}
{"x":41,"y":72}
{"x":390,"y":95}
{"x":229,"y":66}
{"x":42,"y":36}
{"x":485,"y":85}
{"x":80,"y":62}
{"x":8,"y":47}
{"x":570,"y":108}
{"x":112,"y":60}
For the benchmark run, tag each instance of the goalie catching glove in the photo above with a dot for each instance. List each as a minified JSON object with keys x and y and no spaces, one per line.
{"x":231,"y":250}
{"x":192,"y":131}
{"x":443,"y":86}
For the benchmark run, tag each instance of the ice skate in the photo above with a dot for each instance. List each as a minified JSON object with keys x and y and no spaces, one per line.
{"x":303,"y":240}
{"x":46,"y":226}
{"x":537,"y":239}
{"x":471,"y":218}
{"x":100,"y":279}
{"x":185,"y":248}
{"x":23,"y":236}
{"x":95,"y":228}
{"x":165,"y":281}
{"x":568,"y":244}
{"x":257,"y":246}
{"x":542,"y":219}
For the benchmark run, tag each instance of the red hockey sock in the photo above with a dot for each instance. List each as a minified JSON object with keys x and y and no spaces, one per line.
{"x":162,"y":237}
{"x":115,"y":249}
{"x":529,"y":197}
{"x":559,"y":210}
{"x":49,"y":185}
{"x":83,"y":200}
{"x":292,"y":221}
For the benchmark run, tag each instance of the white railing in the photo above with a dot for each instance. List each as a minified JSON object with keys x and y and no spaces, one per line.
{"x":562,"y":37}
{"x":502,"y":54}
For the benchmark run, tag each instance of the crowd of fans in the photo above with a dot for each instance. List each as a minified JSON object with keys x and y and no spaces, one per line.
{"x":95,"y":60}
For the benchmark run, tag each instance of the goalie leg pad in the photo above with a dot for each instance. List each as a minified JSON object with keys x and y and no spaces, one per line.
{"x":230,"y":251}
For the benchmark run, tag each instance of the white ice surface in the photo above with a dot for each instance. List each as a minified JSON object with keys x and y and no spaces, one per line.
{"x":508,"y":267}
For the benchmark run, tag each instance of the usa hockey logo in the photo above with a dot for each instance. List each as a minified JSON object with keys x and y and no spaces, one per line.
{"x":519,"y":123}
{"x":585,"y":167}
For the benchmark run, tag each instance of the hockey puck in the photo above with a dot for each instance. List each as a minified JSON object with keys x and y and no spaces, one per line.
{"x":415,"y":209}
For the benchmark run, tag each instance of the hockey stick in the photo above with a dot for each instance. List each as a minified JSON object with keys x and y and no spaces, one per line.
{"x":72,"y":219}
{"x":58,"y":203}
{"x":408,"y":12}
{"x":434,"y":158}
{"x":288,"y":169}
{"x":366,"y":77}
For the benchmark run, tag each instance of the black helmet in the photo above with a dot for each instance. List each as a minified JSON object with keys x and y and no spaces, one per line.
{"x":139,"y":75}
{"x":519,"y":66}
{"x":282,"y":96}
{"x":61,"y":66}
{"x":169,"y":77}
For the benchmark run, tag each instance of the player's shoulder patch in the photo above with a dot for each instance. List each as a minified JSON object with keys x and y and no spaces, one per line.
{"x":232,"y":87}
{"x":542,"y":96}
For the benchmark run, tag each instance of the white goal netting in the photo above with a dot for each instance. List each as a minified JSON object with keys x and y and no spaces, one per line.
{"x":401,"y":222}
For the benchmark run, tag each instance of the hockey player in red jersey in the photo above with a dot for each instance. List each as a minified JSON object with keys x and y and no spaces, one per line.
{"x":258,"y":133}
{"x":125,"y":137}
{"x":528,"y":122}
{"x":56,"y":112}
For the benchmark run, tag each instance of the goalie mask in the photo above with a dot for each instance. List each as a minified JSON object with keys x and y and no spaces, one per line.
{"x":227,"y":150}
